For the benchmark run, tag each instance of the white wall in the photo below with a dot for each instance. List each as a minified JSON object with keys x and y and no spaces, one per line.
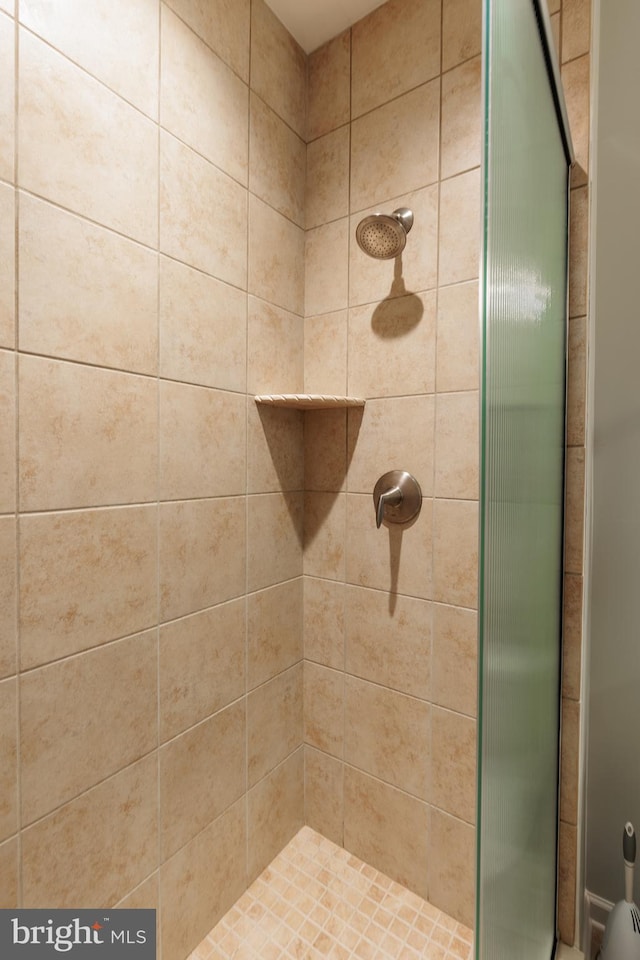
{"x":613,"y":787}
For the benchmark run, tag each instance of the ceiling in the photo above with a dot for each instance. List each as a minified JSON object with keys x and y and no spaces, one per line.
{"x":313,"y":22}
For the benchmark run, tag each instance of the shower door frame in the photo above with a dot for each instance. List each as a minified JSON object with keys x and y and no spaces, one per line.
{"x":547,"y":42}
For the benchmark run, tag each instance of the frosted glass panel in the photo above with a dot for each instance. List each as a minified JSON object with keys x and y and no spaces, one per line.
{"x":522,"y":491}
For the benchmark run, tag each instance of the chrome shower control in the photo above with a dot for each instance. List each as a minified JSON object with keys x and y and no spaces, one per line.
{"x":397,"y":497}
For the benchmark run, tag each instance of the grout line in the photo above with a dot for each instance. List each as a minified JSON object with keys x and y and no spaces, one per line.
{"x":247,"y":744}
{"x":17,"y":531}
{"x":159,"y":917}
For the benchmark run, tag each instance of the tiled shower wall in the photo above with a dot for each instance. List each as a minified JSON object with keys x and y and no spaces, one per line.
{"x":390,"y":624}
{"x":152,"y":160}
{"x":390,"y":614}
{"x":572,"y":27}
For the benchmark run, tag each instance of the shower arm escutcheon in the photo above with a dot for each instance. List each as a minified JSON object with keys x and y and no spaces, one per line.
{"x":397,"y":497}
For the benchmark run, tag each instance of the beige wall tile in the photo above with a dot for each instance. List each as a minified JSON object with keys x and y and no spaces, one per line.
{"x":193,"y":195}
{"x":325,"y":450}
{"x":324,"y":622}
{"x":88,"y":437}
{"x":329,"y":86}
{"x":83,"y":147}
{"x":373,"y":280}
{"x":452,"y":867}
{"x":386,"y":440}
{"x":572,"y":637}
{"x":85,"y":718}
{"x":394,"y":149}
{"x":275,"y":449}
{"x":223,"y":25}
{"x":577,"y":387}
{"x":387,"y":734}
{"x":9,"y":874}
{"x":461,"y":31}
{"x":203,"y":328}
{"x":115,"y":40}
{"x":455,"y":658}
{"x":387,"y":829}
{"x":455,"y":552}
{"x":7,"y":98}
{"x":275,"y":531}
{"x":276,"y":812}
{"x":8,"y":758}
{"x":7,"y":432}
{"x":453,"y":763}
{"x":396,"y":558}
{"x":202,"y":442}
{"x":327,"y":189}
{"x":555,"y":34}
{"x":65,"y":561}
{"x":276,"y":345}
{"x":202,"y":554}
{"x":578,"y":252}
{"x":576,"y":28}
{"x":460,"y":201}
{"x":8,"y":596}
{"x":85,"y":293}
{"x":274,"y":631}
{"x":278,"y":67}
{"x":278,"y":162}
{"x":569,"y":761}
{"x":323,"y":794}
{"x":201,"y":666}
{"x":146,"y":896}
{"x":202,"y":101}
{"x":324,"y":708}
{"x":274,"y":722}
{"x":389,"y":643}
{"x":7,"y":266}
{"x":461,"y":119}
{"x":384,"y":341}
{"x":458,"y":351}
{"x":202,"y":772}
{"x":325,"y":354}
{"x":395,"y":48}
{"x":326,"y":268}
{"x":575,"y":80}
{"x":567,"y":856}
{"x":83,"y":831}
{"x":194,"y":897}
{"x":574,"y":510}
{"x":276,"y":257}
{"x":324,"y":533}
{"x":457,"y":453}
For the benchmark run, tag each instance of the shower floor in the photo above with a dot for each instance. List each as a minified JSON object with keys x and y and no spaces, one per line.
{"x":317,"y":900}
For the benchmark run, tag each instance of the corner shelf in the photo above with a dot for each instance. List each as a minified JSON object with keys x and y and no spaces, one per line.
{"x":308,"y":401}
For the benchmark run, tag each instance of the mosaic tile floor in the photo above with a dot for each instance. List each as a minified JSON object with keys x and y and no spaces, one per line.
{"x":316,"y":900}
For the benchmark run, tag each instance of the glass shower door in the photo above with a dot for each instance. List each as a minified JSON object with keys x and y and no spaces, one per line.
{"x":523,"y":422}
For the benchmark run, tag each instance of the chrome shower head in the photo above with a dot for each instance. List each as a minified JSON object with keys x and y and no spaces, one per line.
{"x":384,"y":236}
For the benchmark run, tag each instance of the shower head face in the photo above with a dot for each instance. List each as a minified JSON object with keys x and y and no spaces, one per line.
{"x":384,"y":236}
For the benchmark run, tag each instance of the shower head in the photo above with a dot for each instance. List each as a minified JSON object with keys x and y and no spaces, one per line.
{"x":383,"y":235}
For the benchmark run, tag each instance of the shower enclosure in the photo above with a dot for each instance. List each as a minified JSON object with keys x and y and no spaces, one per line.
{"x":524,"y":310}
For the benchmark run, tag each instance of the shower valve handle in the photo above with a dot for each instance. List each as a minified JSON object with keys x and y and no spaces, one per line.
{"x":393,"y":497}
{"x":397,"y":497}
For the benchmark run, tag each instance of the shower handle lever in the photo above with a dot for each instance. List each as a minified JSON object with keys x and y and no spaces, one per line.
{"x":393,"y":497}
{"x":397,"y":497}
